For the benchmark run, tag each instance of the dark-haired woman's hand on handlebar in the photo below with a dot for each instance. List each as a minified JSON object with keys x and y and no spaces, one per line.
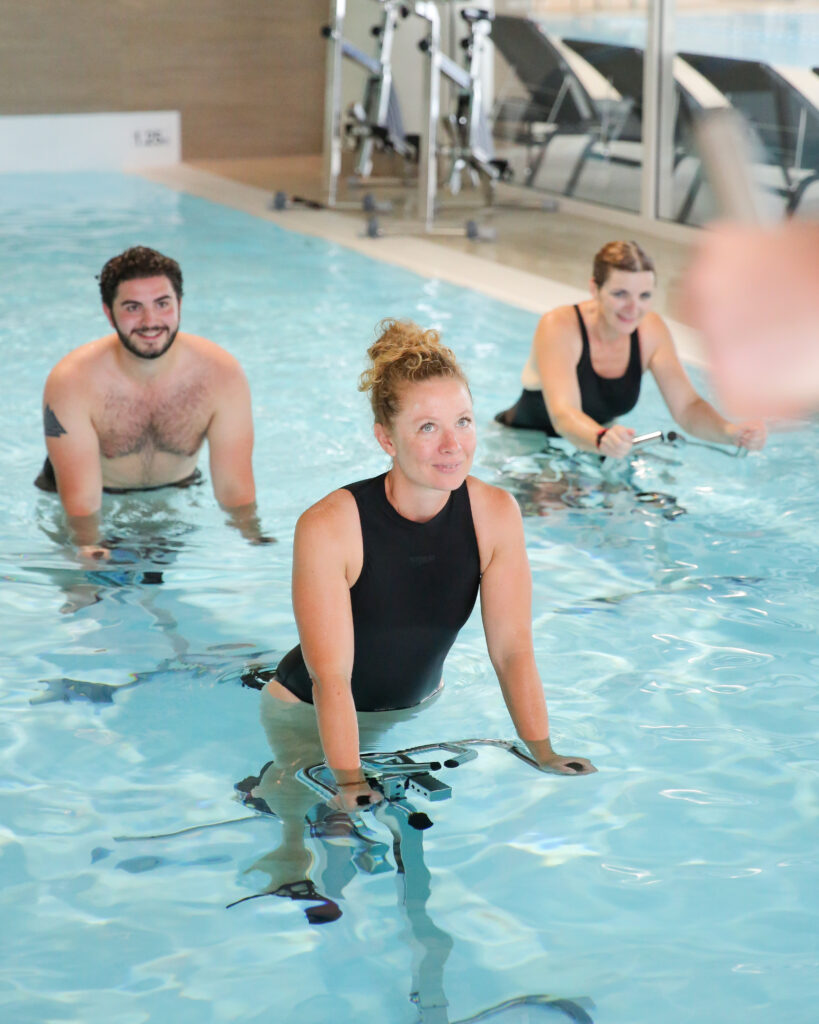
{"x":749,"y":435}
{"x":615,"y":443}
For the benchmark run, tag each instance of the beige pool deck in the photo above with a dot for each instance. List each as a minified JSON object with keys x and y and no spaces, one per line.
{"x":538,"y":259}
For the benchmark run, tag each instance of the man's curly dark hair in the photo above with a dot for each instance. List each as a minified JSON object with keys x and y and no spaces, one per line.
{"x":137,"y":262}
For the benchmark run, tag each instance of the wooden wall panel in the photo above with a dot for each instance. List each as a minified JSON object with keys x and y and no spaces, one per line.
{"x":247,"y":75}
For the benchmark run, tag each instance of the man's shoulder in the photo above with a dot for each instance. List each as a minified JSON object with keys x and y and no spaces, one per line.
{"x":209,"y":355}
{"x":82,"y":363}
{"x":206,"y":349}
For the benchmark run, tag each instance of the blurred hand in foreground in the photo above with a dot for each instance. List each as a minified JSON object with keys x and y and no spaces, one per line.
{"x":754,"y":294}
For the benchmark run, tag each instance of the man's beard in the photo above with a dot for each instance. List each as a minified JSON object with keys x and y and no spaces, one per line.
{"x":126,"y":341}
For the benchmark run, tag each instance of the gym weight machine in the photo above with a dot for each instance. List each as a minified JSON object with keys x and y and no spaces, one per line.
{"x":377,"y":122}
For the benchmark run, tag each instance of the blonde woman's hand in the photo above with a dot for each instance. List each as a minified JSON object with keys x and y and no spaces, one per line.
{"x":354,"y":796}
{"x":558,"y":764}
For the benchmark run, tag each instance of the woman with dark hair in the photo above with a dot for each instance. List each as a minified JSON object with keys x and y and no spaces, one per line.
{"x":386,"y":571}
{"x":587,"y":361}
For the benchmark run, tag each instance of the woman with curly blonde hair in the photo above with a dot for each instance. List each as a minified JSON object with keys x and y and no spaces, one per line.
{"x":386,"y":571}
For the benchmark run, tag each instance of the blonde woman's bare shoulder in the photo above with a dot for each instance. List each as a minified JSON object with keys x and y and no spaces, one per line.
{"x":496,"y":518}
{"x":328,"y":536}
{"x":335,"y":512}
{"x":491,"y":501}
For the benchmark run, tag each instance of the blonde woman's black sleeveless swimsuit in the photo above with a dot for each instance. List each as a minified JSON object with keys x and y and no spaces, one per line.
{"x":417,"y":588}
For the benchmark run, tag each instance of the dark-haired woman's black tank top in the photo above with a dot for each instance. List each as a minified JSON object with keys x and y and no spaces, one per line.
{"x":602,"y":398}
{"x":417,"y":588}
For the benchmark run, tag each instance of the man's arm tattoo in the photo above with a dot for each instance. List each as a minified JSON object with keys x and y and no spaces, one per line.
{"x":51,"y":425}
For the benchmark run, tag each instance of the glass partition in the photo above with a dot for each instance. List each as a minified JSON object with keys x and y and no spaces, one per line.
{"x":568,"y":112}
{"x":759,"y":60}
{"x":569,"y":108}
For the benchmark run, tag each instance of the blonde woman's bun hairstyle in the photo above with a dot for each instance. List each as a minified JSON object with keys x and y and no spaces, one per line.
{"x":403,"y":354}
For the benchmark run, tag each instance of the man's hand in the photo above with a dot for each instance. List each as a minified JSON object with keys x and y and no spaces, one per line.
{"x":85,"y":535}
{"x":245,"y":519}
{"x":94,"y":553}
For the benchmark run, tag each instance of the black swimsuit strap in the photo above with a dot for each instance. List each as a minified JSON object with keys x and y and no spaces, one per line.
{"x":633,"y":353}
{"x":584,"y":336}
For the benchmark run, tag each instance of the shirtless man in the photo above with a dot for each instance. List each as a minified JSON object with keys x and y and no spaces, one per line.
{"x":129,"y":411}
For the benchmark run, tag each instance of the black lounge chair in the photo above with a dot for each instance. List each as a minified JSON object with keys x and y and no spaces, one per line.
{"x":555,"y":101}
{"x":622,"y":67}
{"x":784,"y":116}
{"x":560,"y":100}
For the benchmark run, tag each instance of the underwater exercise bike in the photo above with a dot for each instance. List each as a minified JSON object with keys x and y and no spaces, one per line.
{"x":398,"y":776}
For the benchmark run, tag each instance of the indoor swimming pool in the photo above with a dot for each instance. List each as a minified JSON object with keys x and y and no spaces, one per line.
{"x":675,"y":629}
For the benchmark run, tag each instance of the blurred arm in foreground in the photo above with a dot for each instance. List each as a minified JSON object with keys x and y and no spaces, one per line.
{"x":754,"y":294}
{"x":753,"y":289}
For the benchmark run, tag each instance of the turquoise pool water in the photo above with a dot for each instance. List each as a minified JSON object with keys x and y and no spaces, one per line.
{"x":680,"y":654}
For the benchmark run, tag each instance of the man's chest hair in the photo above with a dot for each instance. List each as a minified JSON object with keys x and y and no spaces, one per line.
{"x":172,"y":420}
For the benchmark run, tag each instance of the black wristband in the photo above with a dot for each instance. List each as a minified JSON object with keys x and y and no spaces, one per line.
{"x":600,"y":435}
